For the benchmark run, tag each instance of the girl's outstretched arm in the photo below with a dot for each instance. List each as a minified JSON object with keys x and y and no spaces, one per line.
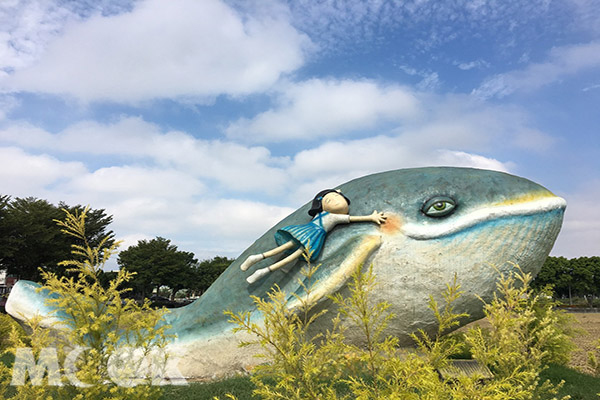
{"x":377,"y":217}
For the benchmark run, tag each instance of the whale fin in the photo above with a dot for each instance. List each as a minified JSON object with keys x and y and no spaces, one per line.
{"x":338,"y":278}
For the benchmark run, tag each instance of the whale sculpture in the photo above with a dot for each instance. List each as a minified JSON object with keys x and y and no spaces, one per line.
{"x":489,"y":220}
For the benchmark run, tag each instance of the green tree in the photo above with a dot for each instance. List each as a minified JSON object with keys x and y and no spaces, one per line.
{"x":586,"y":271}
{"x":556,"y":272}
{"x":157,"y":263}
{"x":33,"y":238}
{"x":5,"y":248}
{"x":29,"y":239}
{"x":96,"y":223}
{"x":595,"y":261}
{"x":206,"y":272}
{"x":571,"y":277}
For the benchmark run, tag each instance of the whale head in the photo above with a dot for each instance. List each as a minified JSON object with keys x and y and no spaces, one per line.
{"x":445,"y":222}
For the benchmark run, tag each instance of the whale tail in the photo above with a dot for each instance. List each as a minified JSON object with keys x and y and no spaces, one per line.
{"x":26,"y":302}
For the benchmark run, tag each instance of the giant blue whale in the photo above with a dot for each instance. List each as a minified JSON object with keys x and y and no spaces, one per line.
{"x":442,"y":222}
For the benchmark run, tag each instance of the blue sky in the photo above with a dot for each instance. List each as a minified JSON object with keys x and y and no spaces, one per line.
{"x":208,"y":121}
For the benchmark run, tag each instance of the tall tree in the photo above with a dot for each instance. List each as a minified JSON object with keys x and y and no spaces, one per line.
{"x":157,"y":263}
{"x":96,"y":223}
{"x":571,"y":277}
{"x":5,"y":248}
{"x":557,"y":272}
{"x":30,"y":238}
{"x":207,"y":271}
{"x":34,"y":238}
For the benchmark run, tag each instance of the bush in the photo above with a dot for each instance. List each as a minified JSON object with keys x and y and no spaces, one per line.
{"x":526,"y":334}
{"x":523,"y":338}
{"x":6,"y":326}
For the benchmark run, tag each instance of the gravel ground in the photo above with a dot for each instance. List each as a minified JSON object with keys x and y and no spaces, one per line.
{"x":590,"y":323}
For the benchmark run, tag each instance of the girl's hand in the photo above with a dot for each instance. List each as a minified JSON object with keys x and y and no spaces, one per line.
{"x":378,"y":217}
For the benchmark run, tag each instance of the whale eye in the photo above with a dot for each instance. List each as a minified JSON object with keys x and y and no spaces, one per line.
{"x":439,"y":207}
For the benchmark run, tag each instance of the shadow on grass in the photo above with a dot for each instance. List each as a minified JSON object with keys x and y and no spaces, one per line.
{"x":241,"y":387}
{"x":578,"y":385}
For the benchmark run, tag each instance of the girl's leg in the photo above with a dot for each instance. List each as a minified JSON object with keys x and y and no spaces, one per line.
{"x":264,"y":271}
{"x":277,"y":250}
{"x":253,"y":259}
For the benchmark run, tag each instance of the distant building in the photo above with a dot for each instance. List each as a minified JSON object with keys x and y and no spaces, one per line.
{"x":6,"y":284}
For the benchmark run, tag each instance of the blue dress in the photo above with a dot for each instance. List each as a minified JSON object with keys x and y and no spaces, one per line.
{"x":312,"y":233}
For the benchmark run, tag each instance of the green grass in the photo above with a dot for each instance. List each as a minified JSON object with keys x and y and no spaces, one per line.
{"x":579,"y":386}
{"x":241,"y":387}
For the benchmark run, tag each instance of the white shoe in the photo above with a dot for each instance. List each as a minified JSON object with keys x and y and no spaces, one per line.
{"x":257,"y":275}
{"x":251,"y":260}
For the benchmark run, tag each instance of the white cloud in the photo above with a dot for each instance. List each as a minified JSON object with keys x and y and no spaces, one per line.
{"x":125,"y":136}
{"x":129,"y":181}
{"x":534,"y":140}
{"x":233,"y":218}
{"x":7,"y":104}
{"x":587,"y":15}
{"x":179,"y":48}
{"x":466,"y":66}
{"x":24,"y":174}
{"x":429,"y":25}
{"x":430,"y":82}
{"x":205,"y":225}
{"x":463,"y":159}
{"x":591,"y":87}
{"x":26,"y":26}
{"x":327,"y":108}
{"x":562,"y":62}
{"x":334,"y":163}
{"x":580,"y":235}
{"x":230,"y":165}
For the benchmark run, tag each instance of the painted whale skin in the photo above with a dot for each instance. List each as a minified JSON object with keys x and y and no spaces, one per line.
{"x":497,"y":220}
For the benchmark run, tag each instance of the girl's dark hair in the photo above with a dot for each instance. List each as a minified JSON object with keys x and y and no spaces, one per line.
{"x":317,"y":205}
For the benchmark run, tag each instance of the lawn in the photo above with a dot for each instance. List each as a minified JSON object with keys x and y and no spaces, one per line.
{"x":240,"y":387}
{"x":580,"y":386}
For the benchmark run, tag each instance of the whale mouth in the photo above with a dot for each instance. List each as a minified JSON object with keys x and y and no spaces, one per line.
{"x":529,"y":205}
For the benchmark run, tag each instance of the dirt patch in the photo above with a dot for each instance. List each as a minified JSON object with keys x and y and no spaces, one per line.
{"x":586,"y":341}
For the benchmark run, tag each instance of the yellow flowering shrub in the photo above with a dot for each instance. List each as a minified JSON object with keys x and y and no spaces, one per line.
{"x":523,"y":338}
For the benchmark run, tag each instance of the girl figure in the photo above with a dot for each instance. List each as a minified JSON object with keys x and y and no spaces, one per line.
{"x":329,"y":208}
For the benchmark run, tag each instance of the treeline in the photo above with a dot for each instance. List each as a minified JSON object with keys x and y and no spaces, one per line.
{"x":571,"y":278}
{"x":30,"y":239}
